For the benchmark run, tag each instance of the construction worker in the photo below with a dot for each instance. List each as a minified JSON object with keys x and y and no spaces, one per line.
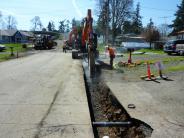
{"x":111,"y":55}
{"x":64,"y":46}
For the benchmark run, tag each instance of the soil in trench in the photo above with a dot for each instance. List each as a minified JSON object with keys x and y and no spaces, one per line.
{"x":106,"y":108}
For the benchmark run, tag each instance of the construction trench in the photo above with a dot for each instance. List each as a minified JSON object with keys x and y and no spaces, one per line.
{"x":108,"y":116}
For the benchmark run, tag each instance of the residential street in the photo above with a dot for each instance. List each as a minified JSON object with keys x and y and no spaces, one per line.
{"x":43,"y":95}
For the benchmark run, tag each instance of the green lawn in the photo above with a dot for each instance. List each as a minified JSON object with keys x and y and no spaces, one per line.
{"x":16,"y":47}
{"x":7,"y":55}
{"x":166,"y":60}
{"x":4,"y":57}
{"x":176,"y":68}
{"x":151,"y":51}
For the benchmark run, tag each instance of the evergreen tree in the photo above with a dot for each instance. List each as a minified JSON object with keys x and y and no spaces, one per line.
{"x":127,"y":27}
{"x":67,"y":25}
{"x":102,"y":24}
{"x":52,"y":25}
{"x":150,"y":24}
{"x":178,"y":23}
{"x":61,"y":26}
{"x":74,"y":23}
{"x":137,"y":23}
{"x":49,"y":27}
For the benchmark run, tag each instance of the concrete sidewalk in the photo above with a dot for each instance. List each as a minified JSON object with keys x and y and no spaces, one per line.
{"x":43,"y":96}
{"x":159,"y":105}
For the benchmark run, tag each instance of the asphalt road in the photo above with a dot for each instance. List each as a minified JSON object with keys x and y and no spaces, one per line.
{"x":43,"y":96}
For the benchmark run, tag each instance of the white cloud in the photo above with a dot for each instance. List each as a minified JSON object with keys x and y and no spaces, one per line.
{"x":79,"y":13}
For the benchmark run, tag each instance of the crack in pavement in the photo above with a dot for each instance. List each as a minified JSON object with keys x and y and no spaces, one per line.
{"x":40,"y":125}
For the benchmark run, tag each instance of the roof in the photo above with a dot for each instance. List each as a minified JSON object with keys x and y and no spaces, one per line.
{"x":180,"y":32}
{"x":26,"y":33}
{"x":7,"y":32}
{"x":176,"y":33}
{"x":12,"y":33}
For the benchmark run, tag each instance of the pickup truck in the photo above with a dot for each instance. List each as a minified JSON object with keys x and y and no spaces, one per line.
{"x":174,"y":46}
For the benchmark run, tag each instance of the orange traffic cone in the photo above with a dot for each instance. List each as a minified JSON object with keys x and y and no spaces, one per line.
{"x":149,"y":75}
{"x":148,"y":70}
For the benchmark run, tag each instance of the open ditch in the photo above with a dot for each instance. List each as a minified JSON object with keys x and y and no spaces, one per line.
{"x":104,"y":107}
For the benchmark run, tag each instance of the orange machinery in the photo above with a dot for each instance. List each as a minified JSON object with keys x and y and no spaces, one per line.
{"x":88,"y":41}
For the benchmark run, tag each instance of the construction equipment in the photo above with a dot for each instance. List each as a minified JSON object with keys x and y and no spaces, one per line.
{"x":84,"y":41}
{"x":43,"y":41}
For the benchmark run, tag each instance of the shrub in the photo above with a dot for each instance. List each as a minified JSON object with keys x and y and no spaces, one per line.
{"x":24,"y":46}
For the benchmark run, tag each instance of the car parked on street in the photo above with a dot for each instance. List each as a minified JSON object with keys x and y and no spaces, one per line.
{"x":174,"y":46}
{"x":2,"y":48}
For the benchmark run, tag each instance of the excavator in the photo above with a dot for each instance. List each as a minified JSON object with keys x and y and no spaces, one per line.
{"x":84,"y":42}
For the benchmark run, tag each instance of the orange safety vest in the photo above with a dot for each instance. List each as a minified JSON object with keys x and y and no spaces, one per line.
{"x":111,"y":52}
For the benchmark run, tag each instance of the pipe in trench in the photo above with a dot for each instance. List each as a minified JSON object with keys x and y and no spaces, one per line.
{"x":112,"y":124}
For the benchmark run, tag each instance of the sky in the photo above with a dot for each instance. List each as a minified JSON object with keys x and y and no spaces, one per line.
{"x":161,"y":11}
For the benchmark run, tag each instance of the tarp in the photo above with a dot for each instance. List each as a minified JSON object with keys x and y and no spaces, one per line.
{"x":135,"y":45}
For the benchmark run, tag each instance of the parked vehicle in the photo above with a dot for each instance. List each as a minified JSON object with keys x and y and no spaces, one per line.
{"x":2,"y":48}
{"x":174,"y":46}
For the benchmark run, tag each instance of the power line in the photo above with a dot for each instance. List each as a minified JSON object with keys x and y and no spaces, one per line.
{"x":158,"y":9}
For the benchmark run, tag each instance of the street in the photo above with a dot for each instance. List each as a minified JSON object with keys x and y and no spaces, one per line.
{"x":43,"y":95}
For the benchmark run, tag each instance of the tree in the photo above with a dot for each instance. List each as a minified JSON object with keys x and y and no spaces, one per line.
{"x":164,"y":30}
{"x":178,"y":23}
{"x":151,"y":33}
{"x":62,"y":26}
{"x":51,"y":26}
{"x":67,"y":25}
{"x":119,"y":11}
{"x":74,"y":23}
{"x":44,"y":30}
{"x":137,"y":23}
{"x":11,"y":22}
{"x":103,"y":19}
{"x":1,"y":20}
{"x":37,"y":24}
{"x":127,"y":27}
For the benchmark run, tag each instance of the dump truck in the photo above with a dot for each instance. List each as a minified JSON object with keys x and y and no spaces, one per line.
{"x":43,"y":41}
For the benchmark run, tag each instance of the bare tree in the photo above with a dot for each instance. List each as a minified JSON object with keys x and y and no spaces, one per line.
{"x":151,"y":33}
{"x":114,"y":13}
{"x":11,"y":22}
{"x":37,"y":24}
{"x":1,"y":20}
{"x":164,"y":30}
{"x":121,"y":11}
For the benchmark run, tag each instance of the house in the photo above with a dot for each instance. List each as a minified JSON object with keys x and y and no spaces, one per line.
{"x":176,"y":35}
{"x":131,"y":41}
{"x":180,"y":34}
{"x":15,"y":36}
